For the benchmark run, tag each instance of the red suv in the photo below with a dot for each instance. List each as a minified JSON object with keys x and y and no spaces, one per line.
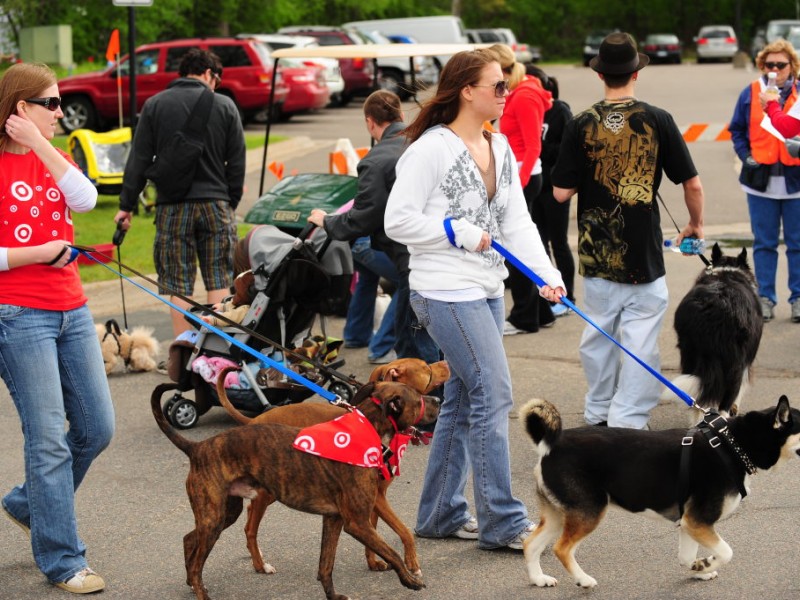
{"x":358,"y":73}
{"x":90,"y":100}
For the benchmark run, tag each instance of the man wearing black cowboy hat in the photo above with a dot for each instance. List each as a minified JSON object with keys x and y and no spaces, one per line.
{"x":613,"y":155}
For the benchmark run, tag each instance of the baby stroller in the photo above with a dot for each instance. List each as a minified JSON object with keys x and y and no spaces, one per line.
{"x":294,"y":280}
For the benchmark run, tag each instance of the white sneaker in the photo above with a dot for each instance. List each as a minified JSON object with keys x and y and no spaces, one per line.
{"x":468,"y":531}
{"x":516,"y":543}
{"x":560,"y":310}
{"x":509,"y":329}
{"x":383,"y":360}
{"x":85,"y":581}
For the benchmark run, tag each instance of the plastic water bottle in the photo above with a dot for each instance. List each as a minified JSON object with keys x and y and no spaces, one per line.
{"x":772,"y":84}
{"x":689,"y":245}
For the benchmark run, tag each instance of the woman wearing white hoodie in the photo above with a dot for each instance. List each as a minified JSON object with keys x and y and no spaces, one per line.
{"x":456,"y":170}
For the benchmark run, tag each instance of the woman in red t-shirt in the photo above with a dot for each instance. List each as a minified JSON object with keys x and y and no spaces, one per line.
{"x":50,"y":357}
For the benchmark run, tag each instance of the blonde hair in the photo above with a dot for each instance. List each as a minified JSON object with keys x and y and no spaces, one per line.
{"x":505,"y":56}
{"x":780,"y":46}
{"x":21,"y":81}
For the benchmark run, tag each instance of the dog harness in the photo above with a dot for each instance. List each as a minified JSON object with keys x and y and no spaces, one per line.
{"x":714,"y":428}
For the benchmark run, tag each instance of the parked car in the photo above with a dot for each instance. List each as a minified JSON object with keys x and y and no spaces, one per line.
{"x":778,"y":28}
{"x":440,"y":29}
{"x":358,"y":73}
{"x":333,"y":72}
{"x":90,"y":100}
{"x":663,"y":48}
{"x":591,"y":45}
{"x":716,"y":42}
{"x":394,"y":74}
{"x":523,"y":52}
{"x":308,"y":90}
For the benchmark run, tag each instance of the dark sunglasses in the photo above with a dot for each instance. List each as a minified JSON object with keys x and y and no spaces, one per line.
{"x":500,"y":88}
{"x":776,"y":65}
{"x":52,"y":103}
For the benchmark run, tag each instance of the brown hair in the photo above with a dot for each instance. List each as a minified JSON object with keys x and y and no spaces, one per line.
{"x":463,"y":69}
{"x":779,"y":46}
{"x":383,"y":107}
{"x":21,"y":81}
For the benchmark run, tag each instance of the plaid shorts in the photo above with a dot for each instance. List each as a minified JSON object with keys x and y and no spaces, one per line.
{"x":190,"y":231}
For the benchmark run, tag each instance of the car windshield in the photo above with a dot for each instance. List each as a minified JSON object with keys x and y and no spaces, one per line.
{"x":776,"y":30}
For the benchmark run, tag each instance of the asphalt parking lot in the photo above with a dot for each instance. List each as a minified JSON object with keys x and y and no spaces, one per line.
{"x":133,"y":511}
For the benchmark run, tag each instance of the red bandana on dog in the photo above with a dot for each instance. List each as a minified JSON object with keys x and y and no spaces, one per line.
{"x":350,"y":439}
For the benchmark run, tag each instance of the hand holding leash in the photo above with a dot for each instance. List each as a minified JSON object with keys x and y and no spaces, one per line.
{"x":119,"y":234}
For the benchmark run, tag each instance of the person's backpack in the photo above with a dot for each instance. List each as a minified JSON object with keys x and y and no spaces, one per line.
{"x":174,"y":167}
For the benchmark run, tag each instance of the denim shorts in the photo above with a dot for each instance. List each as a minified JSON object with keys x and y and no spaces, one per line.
{"x":192,"y":231}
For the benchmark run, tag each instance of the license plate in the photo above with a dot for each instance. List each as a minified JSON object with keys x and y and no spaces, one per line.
{"x":291,"y":216}
{"x":661,"y":53}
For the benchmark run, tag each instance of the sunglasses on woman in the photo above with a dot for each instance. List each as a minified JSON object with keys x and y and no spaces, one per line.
{"x":500,"y":88}
{"x":776,"y":65}
{"x":52,"y":103}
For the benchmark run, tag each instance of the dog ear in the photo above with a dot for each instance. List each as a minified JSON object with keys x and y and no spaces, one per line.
{"x":393,"y":407}
{"x":716,"y":253}
{"x":364,"y":392}
{"x":742,"y":259}
{"x":783,"y":413}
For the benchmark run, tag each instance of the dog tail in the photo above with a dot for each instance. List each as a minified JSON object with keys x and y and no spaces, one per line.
{"x":542,"y":422}
{"x":690,"y":384}
{"x":181,"y":442}
{"x":223,"y":398}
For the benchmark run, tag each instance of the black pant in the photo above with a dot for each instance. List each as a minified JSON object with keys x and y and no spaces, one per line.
{"x":552,"y":219}
{"x":529,"y":311}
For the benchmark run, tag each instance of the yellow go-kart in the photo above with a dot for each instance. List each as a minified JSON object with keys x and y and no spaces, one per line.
{"x":102,"y":157}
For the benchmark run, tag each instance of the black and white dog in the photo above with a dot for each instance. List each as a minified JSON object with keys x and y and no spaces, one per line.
{"x":719,"y":327}
{"x":582,"y":471}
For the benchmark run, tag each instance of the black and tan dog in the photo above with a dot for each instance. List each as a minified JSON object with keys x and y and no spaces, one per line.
{"x":584,"y":470}
{"x":240,"y":462}
{"x":416,"y":373}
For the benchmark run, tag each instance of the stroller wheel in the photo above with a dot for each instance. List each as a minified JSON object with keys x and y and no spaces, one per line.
{"x":341,"y":389}
{"x":183,"y":414}
{"x":170,"y":403}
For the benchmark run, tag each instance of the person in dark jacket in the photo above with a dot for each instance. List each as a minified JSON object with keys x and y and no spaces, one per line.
{"x":551,"y":217}
{"x":201,"y":225}
{"x":376,"y":176}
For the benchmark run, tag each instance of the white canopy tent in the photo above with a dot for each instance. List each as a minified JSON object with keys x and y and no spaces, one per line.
{"x":371,"y":51}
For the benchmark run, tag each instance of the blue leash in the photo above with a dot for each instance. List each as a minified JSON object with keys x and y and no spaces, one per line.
{"x":264,"y":360}
{"x":541,"y":283}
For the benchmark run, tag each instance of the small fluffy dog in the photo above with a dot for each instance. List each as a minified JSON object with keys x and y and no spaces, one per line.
{"x":719,"y":327}
{"x":582,"y":471}
{"x":136,"y":349}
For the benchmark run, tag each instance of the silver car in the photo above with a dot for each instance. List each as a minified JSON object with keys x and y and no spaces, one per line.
{"x":716,"y":42}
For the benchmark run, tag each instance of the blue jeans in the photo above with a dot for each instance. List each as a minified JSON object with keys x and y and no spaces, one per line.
{"x":370,"y":265}
{"x":766,"y":216}
{"x":472,"y":430}
{"x":621,"y":392}
{"x":413,"y":341}
{"x":53,"y":368}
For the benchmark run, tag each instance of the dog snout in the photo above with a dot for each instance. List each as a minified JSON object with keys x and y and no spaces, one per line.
{"x":432,"y":406}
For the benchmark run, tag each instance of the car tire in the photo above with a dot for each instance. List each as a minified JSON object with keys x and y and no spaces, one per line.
{"x":79,"y":113}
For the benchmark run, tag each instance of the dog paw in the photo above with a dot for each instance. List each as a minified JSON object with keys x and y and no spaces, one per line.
{"x":702,"y":565}
{"x":544,"y":581}
{"x":414,"y":583}
{"x":378,"y":565}
{"x":705,"y":576}
{"x":586,"y":582}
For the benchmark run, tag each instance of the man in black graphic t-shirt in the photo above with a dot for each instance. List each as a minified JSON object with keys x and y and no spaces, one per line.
{"x":613,"y":155}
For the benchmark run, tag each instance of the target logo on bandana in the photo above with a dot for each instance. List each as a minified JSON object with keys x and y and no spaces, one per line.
{"x":34,"y":211}
{"x":21,"y":191}
{"x":68,"y":215}
{"x":341,"y":439}
{"x":23,"y":233}
{"x":373,"y":457}
{"x":305,"y":443}
{"x":56,"y":215}
{"x":401,"y":451}
{"x":53,"y":194}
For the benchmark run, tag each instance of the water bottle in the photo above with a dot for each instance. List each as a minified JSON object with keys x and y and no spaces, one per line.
{"x":689,"y":245}
{"x":772,"y":85}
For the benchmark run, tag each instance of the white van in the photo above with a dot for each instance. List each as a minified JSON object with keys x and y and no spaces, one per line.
{"x":444,"y":29}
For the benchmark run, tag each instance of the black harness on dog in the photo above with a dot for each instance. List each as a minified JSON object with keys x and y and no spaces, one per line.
{"x":714,"y":428}
{"x":113,"y":330}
